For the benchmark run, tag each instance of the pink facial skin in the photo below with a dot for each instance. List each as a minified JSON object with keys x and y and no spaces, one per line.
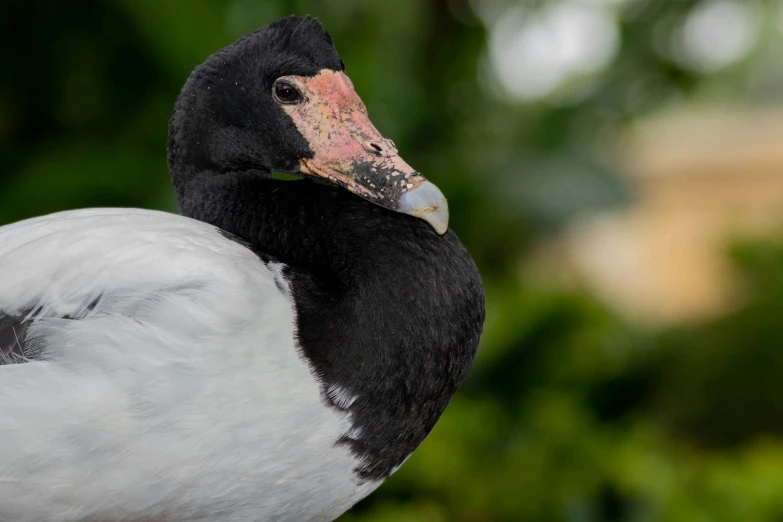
{"x":347,"y":149}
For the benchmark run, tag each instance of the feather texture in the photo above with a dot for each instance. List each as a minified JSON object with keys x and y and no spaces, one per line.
{"x":166,"y":380}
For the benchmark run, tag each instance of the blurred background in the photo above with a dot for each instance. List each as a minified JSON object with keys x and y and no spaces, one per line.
{"x":614,"y":166}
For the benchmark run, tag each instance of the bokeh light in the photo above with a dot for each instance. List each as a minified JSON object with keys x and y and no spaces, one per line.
{"x":535,"y":51}
{"x":717,"y":33}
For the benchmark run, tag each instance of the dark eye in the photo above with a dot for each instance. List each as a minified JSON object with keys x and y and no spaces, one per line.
{"x":287,"y":93}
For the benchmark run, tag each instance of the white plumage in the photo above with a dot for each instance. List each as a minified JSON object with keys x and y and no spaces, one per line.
{"x":174,"y":388}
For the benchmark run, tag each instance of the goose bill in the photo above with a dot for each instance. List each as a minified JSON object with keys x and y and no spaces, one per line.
{"x":349,"y":151}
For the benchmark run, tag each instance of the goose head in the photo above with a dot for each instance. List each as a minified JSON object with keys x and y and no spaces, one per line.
{"x":279,"y":100}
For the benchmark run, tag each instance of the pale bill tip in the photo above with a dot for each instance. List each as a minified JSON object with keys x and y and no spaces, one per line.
{"x":427,"y":202}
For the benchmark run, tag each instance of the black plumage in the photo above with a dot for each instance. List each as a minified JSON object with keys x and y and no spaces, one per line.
{"x":387,"y":310}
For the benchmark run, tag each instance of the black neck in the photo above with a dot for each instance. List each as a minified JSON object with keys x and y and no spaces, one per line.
{"x":280,"y":217}
{"x":387,"y":311}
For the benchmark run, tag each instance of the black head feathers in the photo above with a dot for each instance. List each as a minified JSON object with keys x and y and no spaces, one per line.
{"x":295,"y":45}
{"x":305,"y":39}
{"x":225,"y":118}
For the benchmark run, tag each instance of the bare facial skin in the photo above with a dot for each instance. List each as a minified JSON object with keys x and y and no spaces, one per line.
{"x":349,"y":151}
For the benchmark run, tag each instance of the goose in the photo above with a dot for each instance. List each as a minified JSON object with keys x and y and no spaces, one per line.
{"x":272,"y":353}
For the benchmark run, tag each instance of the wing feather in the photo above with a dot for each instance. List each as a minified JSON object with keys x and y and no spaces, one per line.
{"x":162,"y":377}
{"x":107,"y":263}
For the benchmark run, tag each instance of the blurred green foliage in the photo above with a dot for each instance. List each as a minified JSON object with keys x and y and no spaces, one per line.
{"x":571,"y":414}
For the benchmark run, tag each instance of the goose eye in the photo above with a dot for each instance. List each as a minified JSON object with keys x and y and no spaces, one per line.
{"x":287,"y":93}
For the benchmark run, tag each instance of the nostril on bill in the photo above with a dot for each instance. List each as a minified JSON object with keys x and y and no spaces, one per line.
{"x":374,"y":147}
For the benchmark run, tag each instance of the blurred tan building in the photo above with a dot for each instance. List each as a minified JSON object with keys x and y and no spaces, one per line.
{"x":700,"y":179}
